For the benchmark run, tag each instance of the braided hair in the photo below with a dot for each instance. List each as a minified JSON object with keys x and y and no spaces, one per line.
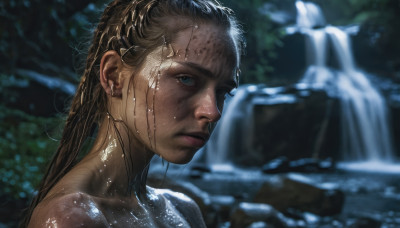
{"x":133,"y":28}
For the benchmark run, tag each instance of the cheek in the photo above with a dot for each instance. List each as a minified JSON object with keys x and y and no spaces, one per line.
{"x":170,"y":106}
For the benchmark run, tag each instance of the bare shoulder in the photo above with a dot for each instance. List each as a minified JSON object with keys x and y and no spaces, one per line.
{"x":70,"y":210}
{"x":185,"y":205}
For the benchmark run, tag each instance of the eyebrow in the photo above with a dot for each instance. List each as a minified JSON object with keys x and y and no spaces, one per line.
{"x":206,"y":72}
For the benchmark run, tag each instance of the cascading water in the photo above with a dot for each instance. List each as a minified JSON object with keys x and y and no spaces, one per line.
{"x":365,"y":132}
{"x":365,"y":135}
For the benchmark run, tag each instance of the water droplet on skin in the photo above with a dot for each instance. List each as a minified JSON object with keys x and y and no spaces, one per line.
{"x":105,"y":165}
{"x":174,"y":117}
{"x":74,"y":201}
{"x":100,"y":170}
{"x":123,"y":155}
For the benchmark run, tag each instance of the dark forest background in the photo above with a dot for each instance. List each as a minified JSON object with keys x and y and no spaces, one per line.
{"x":43,"y":45}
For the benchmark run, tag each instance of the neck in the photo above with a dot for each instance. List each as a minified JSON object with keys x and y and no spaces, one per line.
{"x":119,"y":160}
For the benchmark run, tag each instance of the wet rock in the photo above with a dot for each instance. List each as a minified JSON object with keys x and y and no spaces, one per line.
{"x":282,"y":164}
{"x":258,"y":225}
{"x":258,"y":215}
{"x":306,"y":128}
{"x":286,"y":192}
{"x":365,"y":223}
{"x":277,"y":165}
{"x":198,"y":170}
{"x":223,"y":204}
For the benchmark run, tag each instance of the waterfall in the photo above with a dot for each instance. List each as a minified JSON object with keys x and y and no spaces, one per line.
{"x":365,"y":134}
{"x":236,"y":124}
{"x":234,"y":133}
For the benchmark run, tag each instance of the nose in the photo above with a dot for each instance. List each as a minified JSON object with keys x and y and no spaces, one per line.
{"x":207,"y":107}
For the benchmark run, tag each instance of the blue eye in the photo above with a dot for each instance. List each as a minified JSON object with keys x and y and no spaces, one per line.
{"x":186,"y":80}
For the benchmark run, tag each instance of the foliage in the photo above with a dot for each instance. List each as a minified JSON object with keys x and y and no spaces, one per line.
{"x":262,"y":36}
{"x":379,"y":21}
{"x":25,"y":149}
{"x":25,"y":143}
{"x":38,"y":35}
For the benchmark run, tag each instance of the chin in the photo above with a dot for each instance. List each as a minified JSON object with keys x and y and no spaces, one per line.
{"x":183,"y":157}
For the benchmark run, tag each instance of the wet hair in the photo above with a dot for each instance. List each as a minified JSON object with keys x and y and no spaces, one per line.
{"x":133,"y":28}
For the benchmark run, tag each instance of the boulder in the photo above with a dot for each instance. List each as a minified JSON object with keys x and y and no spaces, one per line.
{"x":295,"y":192}
{"x":365,"y":222}
{"x":257,"y":214}
{"x":304,"y":165}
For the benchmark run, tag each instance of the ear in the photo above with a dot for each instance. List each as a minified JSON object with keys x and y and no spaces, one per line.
{"x":110,"y":73}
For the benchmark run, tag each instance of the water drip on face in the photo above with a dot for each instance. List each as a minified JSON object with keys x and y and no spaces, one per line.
{"x":51,"y":223}
{"x":109,"y":181}
{"x":134,"y":106}
{"x":147,"y":116}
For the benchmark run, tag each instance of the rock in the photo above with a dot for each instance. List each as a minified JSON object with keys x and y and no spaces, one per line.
{"x":258,"y":225}
{"x":285,"y":192}
{"x":198,"y":170}
{"x":307,"y":128}
{"x":223,"y":204}
{"x":305,"y":165}
{"x":365,"y":223}
{"x":277,"y":165}
{"x":256,"y":214}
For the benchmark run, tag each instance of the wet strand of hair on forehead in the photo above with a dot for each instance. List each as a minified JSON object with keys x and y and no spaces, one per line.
{"x":191,"y":37}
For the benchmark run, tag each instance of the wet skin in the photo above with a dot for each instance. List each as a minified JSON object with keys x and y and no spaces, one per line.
{"x":163,"y":108}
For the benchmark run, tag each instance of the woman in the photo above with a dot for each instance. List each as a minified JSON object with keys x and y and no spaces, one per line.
{"x":155,"y":80}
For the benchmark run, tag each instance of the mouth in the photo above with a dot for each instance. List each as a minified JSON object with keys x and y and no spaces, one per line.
{"x":195,"y":139}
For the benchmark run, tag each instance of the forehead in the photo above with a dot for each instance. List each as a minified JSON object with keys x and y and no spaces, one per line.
{"x":208,"y":45}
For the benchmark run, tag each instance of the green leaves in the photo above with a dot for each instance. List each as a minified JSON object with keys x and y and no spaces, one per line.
{"x":25,"y":149}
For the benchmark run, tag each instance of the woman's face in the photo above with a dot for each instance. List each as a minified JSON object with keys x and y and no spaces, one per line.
{"x":180,"y":90}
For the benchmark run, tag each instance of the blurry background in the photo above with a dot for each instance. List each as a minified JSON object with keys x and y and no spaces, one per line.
{"x":43,"y":44}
